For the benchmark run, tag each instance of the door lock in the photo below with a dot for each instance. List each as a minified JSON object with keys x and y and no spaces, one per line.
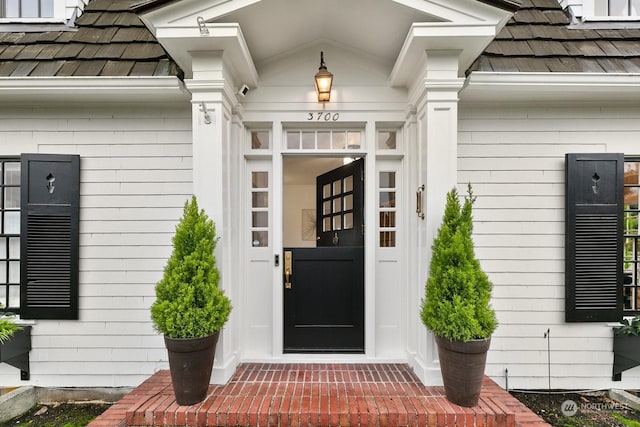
{"x":288,"y":269}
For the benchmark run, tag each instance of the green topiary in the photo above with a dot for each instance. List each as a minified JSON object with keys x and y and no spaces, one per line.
{"x":188,"y":302}
{"x":457,"y":301}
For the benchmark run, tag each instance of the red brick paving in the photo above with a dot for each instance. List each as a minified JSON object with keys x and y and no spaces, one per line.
{"x":316,"y":395}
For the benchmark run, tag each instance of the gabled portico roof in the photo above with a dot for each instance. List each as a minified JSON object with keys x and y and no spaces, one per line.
{"x":393,"y":32}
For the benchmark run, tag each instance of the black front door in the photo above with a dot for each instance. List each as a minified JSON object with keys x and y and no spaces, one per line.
{"x":324,"y":286}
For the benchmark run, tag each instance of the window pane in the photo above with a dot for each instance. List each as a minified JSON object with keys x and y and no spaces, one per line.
{"x":631,"y":197}
{"x":326,"y":208}
{"x":631,"y":223}
{"x":308,"y":140}
{"x":12,"y":173}
{"x":348,"y":184}
{"x":29,"y":9}
{"x":324,"y":140}
{"x":387,"y":219}
{"x":3,"y":272}
{"x":260,"y":199}
{"x":600,"y":8}
{"x":46,"y":8}
{"x":260,"y":219}
{"x":337,"y":205}
{"x":326,"y":224}
{"x":387,"y":199}
{"x":387,"y":179}
{"x":326,"y":191}
{"x":386,"y":140}
{"x":259,"y":140}
{"x":293,"y":140}
{"x":627,"y":295}
{"x":12,"y":198}
{"x":348,"y":221}
{"x":14,"y":272}
{"x":353,"y":140}
{"x":387,"y":239}
{"x":618,"y":8}
{"x":348,"y":202}
{"x":339,"y":140}
{"x":260,"y":238}
{"x":14,"y":296}
{"x":3,"y":248}
{"x":635,"y":8}
{"x":14,"y":247}
{"x":337,"y":187}
{"x":260,"y":179}
{"x":628,"y":250}
{"x":337,"y":222}
{"x":12,"y":222}
{"x":12,"y":8}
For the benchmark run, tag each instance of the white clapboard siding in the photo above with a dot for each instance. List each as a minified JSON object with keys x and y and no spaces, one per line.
{"x":136,"y":174}
{"x":513,"y":155}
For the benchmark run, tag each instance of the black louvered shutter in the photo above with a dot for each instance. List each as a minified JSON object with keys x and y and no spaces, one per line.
{"x":594,"y":239}
{"x":50,"y":199}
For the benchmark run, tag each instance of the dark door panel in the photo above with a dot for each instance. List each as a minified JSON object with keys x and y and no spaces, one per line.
{"x":324,"y":306}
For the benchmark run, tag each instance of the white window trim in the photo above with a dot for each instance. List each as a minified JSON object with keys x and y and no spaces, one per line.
{"x":588,"y":13}
{"x":59,"y":14}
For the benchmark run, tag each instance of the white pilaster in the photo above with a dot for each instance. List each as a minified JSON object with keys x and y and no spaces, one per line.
{"x":212,"y":118}
{"x":437,"y":142}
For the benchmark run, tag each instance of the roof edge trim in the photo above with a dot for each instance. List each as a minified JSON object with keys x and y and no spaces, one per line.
{"x":121,"y":87}
{"x":546,"y":86}
{"x":148,"y":5}
{"x":509,"y":5}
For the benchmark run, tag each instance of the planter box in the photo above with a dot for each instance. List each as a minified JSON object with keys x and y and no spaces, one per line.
{"x":626,"y":354}
{"x":15,"y":352}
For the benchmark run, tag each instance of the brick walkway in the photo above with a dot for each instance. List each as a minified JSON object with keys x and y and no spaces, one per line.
{"x":316,"y":395}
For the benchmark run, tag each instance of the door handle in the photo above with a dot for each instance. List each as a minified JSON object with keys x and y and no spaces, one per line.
{"x":287,"y":279}
{"x":288,"y":268}
{"x":419,"y":210}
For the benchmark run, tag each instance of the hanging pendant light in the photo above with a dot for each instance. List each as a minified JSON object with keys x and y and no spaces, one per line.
{"x":324,"y":80}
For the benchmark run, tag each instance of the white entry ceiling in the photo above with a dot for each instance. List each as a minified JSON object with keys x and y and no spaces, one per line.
{"x":361,"y":25}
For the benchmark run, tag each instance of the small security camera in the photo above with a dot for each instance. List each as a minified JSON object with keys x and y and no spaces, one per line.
{"x":243,"y":90}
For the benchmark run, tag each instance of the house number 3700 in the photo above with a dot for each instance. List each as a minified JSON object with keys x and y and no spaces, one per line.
{"x":320,"y":116}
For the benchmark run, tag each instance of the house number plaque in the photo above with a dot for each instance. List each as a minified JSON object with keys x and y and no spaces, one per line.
{"x":320,"y":116}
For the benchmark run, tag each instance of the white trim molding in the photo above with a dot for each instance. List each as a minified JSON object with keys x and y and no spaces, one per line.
{"x":526,"y":87}
{"x":97,"y":88}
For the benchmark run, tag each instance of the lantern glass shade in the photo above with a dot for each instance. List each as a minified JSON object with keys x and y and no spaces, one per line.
{"x":324,"y":80}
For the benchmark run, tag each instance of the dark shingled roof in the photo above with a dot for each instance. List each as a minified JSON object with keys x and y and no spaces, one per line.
{"x":110,"y":40}
{"x":539,"y":39}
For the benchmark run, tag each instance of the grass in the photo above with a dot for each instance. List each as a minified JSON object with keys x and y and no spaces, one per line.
{"x":626,"y":421}
{"x":59,"y":415}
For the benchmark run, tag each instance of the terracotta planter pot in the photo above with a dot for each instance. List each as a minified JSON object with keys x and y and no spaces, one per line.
{"x":190,"y":363}
{"x":462,"y":367}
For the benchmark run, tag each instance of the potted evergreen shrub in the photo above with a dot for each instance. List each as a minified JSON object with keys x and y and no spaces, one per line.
{"x":456,"y":306}
{"x":190,"y":309}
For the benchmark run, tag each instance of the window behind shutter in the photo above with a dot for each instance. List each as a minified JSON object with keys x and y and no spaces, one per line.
{"x":49,"y":236}
{"x":594,"y":237}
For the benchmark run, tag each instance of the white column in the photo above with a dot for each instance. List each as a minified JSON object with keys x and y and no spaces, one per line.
{"x":437,"y":143}
{"x":212,"y":123}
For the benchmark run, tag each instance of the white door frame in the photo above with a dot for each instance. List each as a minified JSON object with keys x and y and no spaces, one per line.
{"x":369,"y":242}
